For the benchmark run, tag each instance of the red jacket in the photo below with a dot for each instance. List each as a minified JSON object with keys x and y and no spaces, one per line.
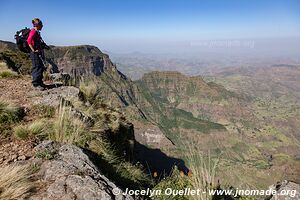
{"x":35,"y":39}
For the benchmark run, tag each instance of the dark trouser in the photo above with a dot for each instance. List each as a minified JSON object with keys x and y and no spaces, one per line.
{"x":37,"y":69}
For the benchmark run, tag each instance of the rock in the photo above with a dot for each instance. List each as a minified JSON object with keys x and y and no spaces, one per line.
{"x":22,"y":157}
{"x":54,"y":96}
{"x":46,"y":145}
{"x":63,"y":77}
{"x":66,"y":94}
{"x":13,"y":157}
{"x":87,"y":120}
{"x":77,"y":60}
{"x":151,"y":135}
{"x":72,"y":175}
{"x":286,"y":190}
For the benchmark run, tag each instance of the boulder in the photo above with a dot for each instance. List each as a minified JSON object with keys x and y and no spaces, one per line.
{"x":53,"y":97}
{"x":72,"y":175}
{"x":286,"y":190}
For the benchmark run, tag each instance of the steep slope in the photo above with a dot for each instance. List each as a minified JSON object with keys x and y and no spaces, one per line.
{"x":193,"y":94}
{"x":167,"y":92}
{"x":101,"y":140}
{"x":15,"y":59}
{"x":190,"y":109}
{"x":105,"y":84}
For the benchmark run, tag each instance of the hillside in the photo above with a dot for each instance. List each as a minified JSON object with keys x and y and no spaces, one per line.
{"x":243,"y":143}
{"x":169,"y":117}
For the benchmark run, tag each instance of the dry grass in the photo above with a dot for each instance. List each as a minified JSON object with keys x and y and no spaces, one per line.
{"x":14,"y":182}
{"x":117,"y":167}
{"x":202,"y":168}
{"x":67,"y":128}
{"x":202,"y":171}
{"x":88,"y":88}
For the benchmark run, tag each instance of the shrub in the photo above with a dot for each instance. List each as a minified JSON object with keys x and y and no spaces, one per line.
{"x":104,"y":152}
{"x":21,"y":132}
{"x":5,"y":72}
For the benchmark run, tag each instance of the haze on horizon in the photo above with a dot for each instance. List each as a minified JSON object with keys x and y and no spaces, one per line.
{"x":169,"y":26}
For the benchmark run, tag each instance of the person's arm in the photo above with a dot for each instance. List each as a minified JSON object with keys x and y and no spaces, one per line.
{"x":30,"y":40}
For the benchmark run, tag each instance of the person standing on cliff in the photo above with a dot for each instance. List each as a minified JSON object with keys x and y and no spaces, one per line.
{"x":37,"y":46}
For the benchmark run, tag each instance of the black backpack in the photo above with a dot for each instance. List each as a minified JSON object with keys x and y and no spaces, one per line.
{"x":21,"y":40}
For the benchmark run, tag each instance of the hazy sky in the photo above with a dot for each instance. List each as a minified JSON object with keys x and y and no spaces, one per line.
{"x":152,"y":25}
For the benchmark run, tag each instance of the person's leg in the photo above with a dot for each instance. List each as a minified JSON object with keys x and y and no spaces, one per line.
{"x":37,"y":70}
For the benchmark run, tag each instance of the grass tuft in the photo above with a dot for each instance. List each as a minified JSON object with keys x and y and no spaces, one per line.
{"x":67,"y":128}
{"x":8,"y":74}
{"x":5,"y":72}
{"x":9,"y":113}
{"x":38,"y":128}
{"x":89,"y":89}
{"x":14,"y":182}
{"x":116,"y":167}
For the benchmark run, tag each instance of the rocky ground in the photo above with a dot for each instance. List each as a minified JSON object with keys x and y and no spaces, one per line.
{"x":60,"y":171}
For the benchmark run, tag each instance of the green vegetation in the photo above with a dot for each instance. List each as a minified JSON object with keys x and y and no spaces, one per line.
{"x":106,"y":144}
{"x":46,"y":154}
{"x":35,"y":129}
{"x":188,"y":121}
{"x":8,"y":74}
{"x":116,"y":168}
{"x":66,"y":128}
{"x":171,"y":117}
{"x":16,"y":60}
{"x":261,"y":164}
{"x":9,"y":113}
{"x":42,"y":111}
{"x":105,"y":141}
{"x":89,"y":89}
{"x":176,"y":181}
{"x":74,"y":52}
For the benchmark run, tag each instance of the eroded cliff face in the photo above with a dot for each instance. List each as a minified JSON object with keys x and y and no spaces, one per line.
{"x":78,"y":60}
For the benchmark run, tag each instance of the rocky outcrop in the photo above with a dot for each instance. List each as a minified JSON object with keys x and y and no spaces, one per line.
{"x":54,"y":96}
{"x":78,"y":60}
{"x":74,"y":60}
{"x":150,"y":135}
{"x":72,"y":175}
{"x":286,"y":190}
